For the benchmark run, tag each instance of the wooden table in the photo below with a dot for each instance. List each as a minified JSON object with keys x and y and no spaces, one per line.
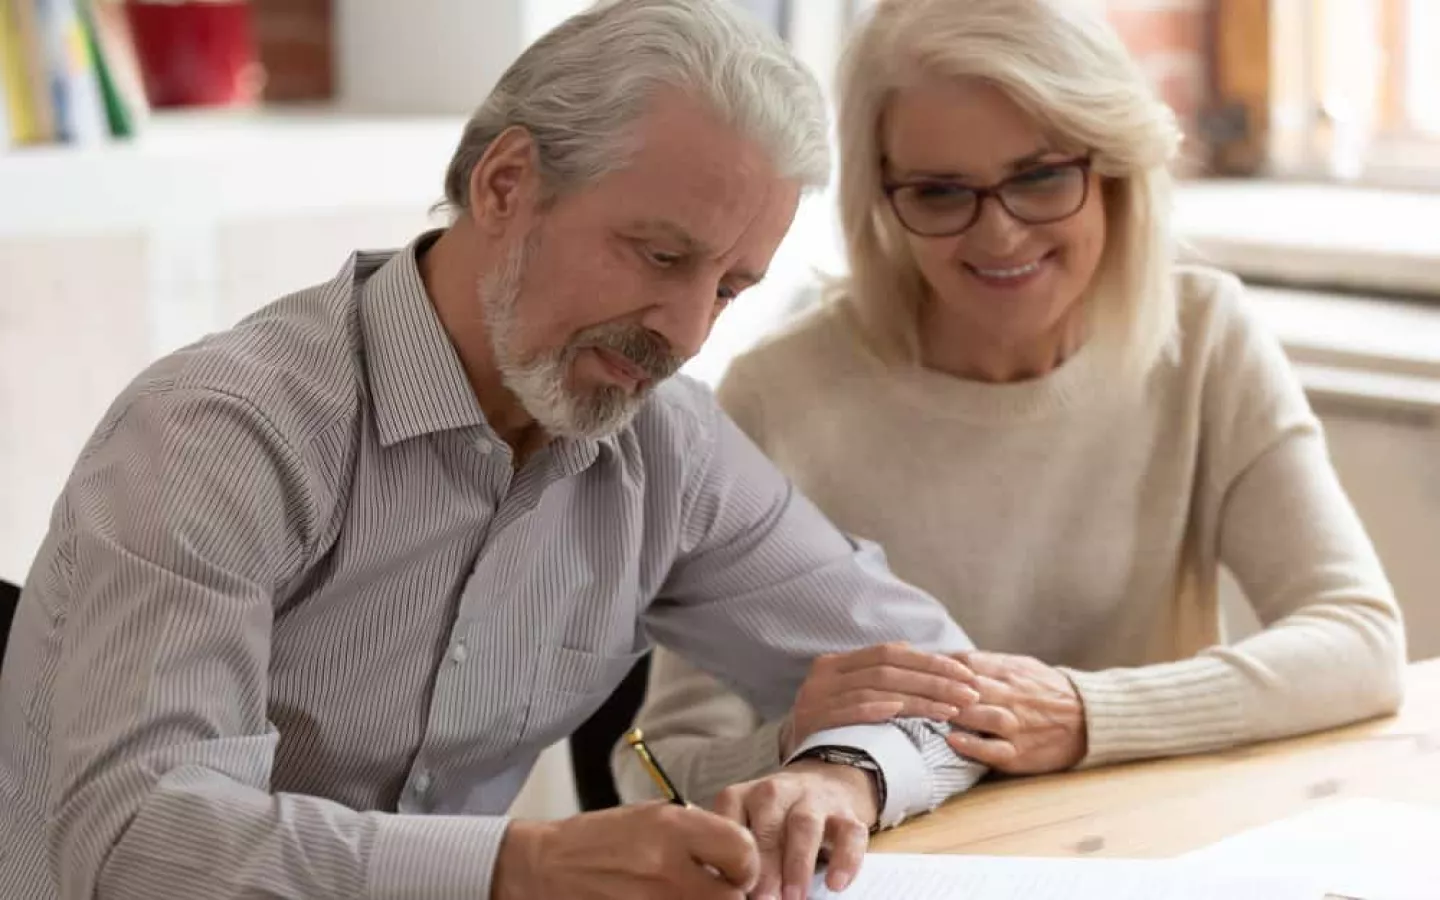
{"x":1167,"y":807}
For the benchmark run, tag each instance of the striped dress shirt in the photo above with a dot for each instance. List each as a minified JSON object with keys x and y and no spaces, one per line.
{"x":299,"y":627}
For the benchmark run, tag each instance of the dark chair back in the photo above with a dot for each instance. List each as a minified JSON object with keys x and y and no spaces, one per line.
{"x":9,"y":599}
{"x":591,"y":743}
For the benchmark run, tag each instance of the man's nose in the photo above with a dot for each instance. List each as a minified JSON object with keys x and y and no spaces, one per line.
{"x":684,"y":319}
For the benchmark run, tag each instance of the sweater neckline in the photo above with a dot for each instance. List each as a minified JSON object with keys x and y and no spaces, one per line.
{"x":1071,"y":385}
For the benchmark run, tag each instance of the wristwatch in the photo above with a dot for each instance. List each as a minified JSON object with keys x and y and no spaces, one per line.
{"x":856,"y":759}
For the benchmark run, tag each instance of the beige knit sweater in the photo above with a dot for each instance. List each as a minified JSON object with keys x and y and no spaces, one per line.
{"x":1080,"y":523}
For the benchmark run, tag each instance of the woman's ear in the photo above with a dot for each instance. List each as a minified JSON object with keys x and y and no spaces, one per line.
{"x":505,"y":183}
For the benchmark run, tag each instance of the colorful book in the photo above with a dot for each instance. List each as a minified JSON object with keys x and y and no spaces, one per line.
{"x":112,"y":48}
{"x":70,"y":73}
{"x":7,"y":130}
{"x":27,"y":101}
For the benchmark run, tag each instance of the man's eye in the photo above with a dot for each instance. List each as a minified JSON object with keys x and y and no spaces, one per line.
{"x":661,"y":258}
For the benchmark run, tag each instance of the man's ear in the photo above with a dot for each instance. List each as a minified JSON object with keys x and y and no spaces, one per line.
{"x":505,"y":183}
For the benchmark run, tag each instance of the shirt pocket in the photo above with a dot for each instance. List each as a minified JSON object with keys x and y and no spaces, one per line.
{"x":573,"y":684}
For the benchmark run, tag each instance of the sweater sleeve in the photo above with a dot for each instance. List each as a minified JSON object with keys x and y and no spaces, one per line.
{"x":1332,"y":650}
{"x":741,"y":396}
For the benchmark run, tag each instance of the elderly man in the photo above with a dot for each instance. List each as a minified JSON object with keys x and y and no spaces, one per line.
{"x":321,"y":587}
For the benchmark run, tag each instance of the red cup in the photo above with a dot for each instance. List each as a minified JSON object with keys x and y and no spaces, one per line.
{"x":196,"y":52}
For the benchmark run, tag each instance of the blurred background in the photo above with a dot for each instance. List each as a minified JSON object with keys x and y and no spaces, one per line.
{"x":168,"y":166}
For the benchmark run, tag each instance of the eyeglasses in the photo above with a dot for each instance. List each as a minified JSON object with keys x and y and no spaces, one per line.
{"x":937,"y":208}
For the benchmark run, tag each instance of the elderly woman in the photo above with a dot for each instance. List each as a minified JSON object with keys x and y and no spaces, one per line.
{"x":1047,"y":423}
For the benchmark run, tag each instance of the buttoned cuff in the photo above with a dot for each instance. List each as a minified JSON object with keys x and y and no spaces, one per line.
{"x":434,"y":857}
{"x":907,"y":778}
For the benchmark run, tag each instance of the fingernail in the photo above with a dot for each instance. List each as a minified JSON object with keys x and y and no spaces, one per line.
{"x":842,"y":881}
{"x":949,"y":712}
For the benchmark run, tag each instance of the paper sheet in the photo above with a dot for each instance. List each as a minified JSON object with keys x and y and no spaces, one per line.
{"x":1356,"y":847}
{"x":887,"y":876}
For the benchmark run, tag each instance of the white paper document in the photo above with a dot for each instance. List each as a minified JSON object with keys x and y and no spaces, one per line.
{"x":1357,"y":847}
{"x":886,"y":876}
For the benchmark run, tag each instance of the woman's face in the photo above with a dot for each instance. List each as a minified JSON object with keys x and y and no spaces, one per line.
{"x":1002,"y":281}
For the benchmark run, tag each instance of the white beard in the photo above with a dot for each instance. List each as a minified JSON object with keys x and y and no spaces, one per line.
{"x":539,"y":383}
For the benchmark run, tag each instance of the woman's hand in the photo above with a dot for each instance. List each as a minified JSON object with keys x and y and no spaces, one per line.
{"x":877,"y":684}
{"x":1029,"y":719}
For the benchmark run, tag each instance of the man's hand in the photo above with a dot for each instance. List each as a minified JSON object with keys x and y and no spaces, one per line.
{"x":875,"y":685}
{"x":1029,"y":720}
{"x":654,"y":850}
{"x":793,"y":813}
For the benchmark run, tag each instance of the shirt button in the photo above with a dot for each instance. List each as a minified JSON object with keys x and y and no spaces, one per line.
{"x":422,"y":783}
{"x":459,"y":654}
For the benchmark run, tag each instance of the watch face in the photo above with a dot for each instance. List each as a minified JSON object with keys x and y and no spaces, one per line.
{"x":844,"y":757}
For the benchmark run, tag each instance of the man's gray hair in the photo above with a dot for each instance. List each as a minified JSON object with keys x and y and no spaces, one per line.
{"x":579,"y":90}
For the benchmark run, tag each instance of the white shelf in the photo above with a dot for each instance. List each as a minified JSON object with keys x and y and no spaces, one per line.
{"x":212,"y":166}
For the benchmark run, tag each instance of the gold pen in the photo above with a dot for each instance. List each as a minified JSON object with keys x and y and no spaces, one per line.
{"x":636,"y":739}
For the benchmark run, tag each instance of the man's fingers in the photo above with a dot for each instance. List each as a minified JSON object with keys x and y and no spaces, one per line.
{"x":903,"y":656}
{"x":721,"y":843}
{"x":698,"y":882}
{"x":996,"y":720}
{"x":993,"y":752}
{"x":729,"y":805}
{"x":847,"y":839}
{"x":765,"y":809}
{"x":804,"y":831}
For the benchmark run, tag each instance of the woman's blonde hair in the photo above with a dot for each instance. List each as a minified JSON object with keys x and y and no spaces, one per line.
{"x":1060,"y":62}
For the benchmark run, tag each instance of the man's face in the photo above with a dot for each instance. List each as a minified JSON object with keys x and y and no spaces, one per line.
{"x":609,"y":290}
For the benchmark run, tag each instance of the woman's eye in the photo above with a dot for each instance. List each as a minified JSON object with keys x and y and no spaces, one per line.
{"x":1038,"y":176}
{"x":661,"y":258}
{"x":938,"y":190}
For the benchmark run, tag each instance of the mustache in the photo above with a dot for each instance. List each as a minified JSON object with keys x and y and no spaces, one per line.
{"x":645,"y":349}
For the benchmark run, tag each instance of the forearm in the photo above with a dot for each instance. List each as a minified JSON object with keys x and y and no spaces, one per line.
{"x":197,"y":833}
{"x":1321,"y":668}
{"x":1333,"y":648}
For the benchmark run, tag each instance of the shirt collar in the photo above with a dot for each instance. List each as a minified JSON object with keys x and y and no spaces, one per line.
{"x":416,"y":379}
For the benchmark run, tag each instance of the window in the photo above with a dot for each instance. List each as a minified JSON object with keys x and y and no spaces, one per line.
{"x":776,"y":12}
{"x":1356,"y":90}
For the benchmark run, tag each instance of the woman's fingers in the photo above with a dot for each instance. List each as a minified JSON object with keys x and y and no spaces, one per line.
{"x":996,"y":753}
{"x":990,"y":720}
